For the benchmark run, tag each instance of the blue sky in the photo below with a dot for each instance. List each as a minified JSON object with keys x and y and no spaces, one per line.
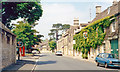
{"x":64,"y":12}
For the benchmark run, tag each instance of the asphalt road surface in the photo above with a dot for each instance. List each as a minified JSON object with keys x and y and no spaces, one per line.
{"x":49,"y":61}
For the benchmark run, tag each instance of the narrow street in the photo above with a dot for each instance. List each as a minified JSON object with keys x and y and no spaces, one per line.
{"x":49,"y":61}
{"x":86,"y":33}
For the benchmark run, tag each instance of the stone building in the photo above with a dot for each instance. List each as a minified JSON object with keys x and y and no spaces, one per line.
{"x":82,"y":25}
{"x":65,"y":43}
{"x":44,"y":46}
{"x":110,"y":44}
{"x":7,"y":47}
{"x":76,"y":31}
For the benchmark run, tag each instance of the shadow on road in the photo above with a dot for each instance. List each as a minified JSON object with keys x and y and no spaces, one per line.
{"x":45,"y":62}
{"x":36,"y":55}
{"x":110,"y":67}
{"x":28,"y":62}
{"x":42,"y":55}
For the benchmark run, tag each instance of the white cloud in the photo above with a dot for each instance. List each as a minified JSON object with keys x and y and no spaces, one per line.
{"x":58,"y":13}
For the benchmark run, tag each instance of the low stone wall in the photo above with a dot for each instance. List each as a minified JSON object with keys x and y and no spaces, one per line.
{"x":7,"y":47}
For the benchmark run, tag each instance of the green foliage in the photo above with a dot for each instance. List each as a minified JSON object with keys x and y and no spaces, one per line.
{"x":65,"y":27}
{"x":51,"y":35}
{"x":52,"y":45}
{"x":31,"y":11}
{"x":57,"y":26}
{"x":55,"y":31}
{"x":95,"y":37}
{"x":25,"y":34}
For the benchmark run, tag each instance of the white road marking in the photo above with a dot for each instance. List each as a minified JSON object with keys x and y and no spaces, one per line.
{"x":35,"y":65}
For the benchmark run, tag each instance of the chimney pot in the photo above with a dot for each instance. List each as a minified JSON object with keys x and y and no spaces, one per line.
{"x":76,"y":21}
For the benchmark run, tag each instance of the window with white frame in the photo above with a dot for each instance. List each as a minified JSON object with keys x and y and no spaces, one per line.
{"x":113,"y":26}
{"x":109,"y":10}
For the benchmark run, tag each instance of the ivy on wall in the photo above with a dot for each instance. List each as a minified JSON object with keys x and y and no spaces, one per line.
{"x":95,"y":37}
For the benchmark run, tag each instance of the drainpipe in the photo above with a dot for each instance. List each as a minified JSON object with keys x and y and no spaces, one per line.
{"x":119,"y":29}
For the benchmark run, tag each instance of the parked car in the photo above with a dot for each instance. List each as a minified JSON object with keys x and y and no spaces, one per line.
{"x":58,"y":53}
{"x":108,"y":60}
{"x":35,"y":51}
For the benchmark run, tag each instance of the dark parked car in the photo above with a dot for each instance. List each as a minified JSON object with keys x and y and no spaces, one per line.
{"x":107,"y":59}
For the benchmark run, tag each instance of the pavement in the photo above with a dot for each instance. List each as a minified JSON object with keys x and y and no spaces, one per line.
{"x":49,"y":61}
{"x":25,"y":63}
{"x":77,"y":57}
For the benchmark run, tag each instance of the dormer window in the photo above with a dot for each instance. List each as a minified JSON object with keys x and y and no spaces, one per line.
{"x":108,"y":10}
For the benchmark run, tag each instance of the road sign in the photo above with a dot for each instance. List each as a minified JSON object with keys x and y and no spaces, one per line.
{"x":19,"y":44}
{"x":85,"y":35}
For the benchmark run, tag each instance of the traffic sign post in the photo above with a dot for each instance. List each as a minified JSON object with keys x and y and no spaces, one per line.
{"x":18,"y":54}
{"x":19,"y":45}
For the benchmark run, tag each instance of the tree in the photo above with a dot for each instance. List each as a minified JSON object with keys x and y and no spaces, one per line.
{"x":52,"y":45}
{"x":56,"y":28}
{"x":31,"y":11}
{"x":65,"y":27}
{"x":51,"y":35}
{"x":27,"y":35}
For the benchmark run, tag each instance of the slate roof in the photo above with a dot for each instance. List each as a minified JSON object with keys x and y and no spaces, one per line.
{"x":112,"y":10}
{"x":84,"y":24}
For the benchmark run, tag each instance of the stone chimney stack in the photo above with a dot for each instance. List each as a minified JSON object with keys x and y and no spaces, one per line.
{"x":115,"y":2}
{"x":98,"y":10}
{"x":76,"y":21}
